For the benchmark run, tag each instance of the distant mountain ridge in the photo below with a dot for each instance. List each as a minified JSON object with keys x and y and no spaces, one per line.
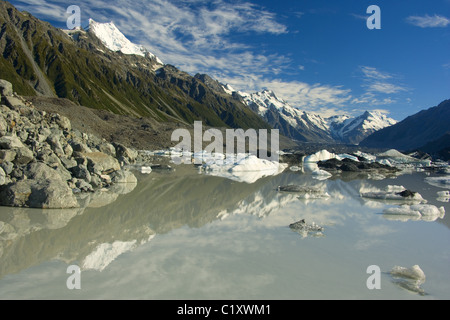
{"x":309,"y":127}
{"x":427,"y":130}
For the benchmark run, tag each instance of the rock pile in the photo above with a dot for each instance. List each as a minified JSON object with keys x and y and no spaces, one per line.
{"x":44,"y":163}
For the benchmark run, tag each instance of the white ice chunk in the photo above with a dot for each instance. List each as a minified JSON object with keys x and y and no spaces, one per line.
{"x":413,"y":273}
{"x":426,"y":211}
{"x":322,"y":155}
{"x":242,"y":168}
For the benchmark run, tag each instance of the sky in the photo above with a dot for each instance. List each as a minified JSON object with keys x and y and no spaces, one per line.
{"x":320,"y":56}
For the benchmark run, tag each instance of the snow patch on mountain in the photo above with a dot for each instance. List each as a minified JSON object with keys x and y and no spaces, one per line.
{"x":340,"y":128}
{"x":115,"y":40}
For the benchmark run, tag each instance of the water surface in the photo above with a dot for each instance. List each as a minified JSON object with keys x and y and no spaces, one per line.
{"x":185,"y":235}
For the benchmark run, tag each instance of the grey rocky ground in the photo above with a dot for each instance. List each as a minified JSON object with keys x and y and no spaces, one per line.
{"x":46,"y":163}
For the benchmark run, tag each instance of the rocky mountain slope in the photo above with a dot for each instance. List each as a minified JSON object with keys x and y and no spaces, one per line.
{"x":426,"y":128}
{"x":39,"y":59}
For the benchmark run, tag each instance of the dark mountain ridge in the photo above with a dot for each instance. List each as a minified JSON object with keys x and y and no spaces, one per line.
{"x":427,"y":130}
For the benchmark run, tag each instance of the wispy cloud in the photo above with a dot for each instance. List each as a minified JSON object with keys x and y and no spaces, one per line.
{"x":376,"y":81}
{"x":427,"y":21}
{"x":379,"y":88}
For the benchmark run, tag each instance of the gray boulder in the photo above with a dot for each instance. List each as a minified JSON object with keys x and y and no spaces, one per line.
{"x":81,"y":172}
{"x":7,"y":166}
{"x":23,"y":155}
{"x":3,"y":126}
{"x":10,"y":142}
{"x":123,"y":176}
{"x":43,"y":193}
{"x":7,"y":155}
{"x":6,"y":88}
{"x":2,"y":177}
{"x":41,"y":171}
{"x":63,"y":122}
{"x":125,"y":154}
{"x":101,"y":162}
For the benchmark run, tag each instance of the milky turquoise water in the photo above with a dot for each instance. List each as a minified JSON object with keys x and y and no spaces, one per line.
{"x":183,"y":235}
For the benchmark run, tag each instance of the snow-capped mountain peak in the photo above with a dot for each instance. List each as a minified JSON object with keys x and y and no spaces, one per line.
{"x":311,"y":127}
{"x":115,"y":40}
{"x":355,"y":129}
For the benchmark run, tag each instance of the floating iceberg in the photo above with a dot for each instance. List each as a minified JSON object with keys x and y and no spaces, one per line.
{"x":242,"y":168}
{"x":409,"y":278}
{"x":322,"y":155}
{"x":347,"y":156}
{"x":146,"y":170}
{"x":426,"y":212}
{"x":443,"y":196}
{"x":394,"y":193}
{"x":394,"y":158}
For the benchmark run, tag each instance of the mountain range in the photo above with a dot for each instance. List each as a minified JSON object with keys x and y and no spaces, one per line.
{"x":100,"y":68}
{"x":39,"y":59}
{"x":427,"y":130}
{"x":309,"y":127}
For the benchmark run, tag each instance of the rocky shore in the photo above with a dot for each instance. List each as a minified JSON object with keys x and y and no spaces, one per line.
{"x":45,"y":163}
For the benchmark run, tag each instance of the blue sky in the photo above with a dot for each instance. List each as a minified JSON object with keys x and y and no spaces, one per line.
{"x":317,"y":55}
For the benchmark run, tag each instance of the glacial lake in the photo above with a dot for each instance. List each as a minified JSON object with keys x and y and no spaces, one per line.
{"x":184,"y":235}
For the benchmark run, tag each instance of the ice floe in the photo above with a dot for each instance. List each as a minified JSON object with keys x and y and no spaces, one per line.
{"x":426,"y":212}
{"x":322,"y":155}
{"x":394,"y":157}
{"x":393,"y":193}
{"x":409,"y":278}
{"x":246,"y":168}
{"x":443,"y":196}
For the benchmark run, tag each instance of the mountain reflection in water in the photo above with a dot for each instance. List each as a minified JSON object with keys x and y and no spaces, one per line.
{"x":163,"y":202}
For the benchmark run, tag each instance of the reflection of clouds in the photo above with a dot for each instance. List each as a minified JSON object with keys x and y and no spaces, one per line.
{"x":246,"y":250}
{"x":441,"y":182}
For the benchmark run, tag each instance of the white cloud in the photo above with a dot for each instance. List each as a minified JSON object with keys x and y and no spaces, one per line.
{"x":319,"y":98}
{"x":427,"y":21}
{"x":384,"y":87}
{"x":376,"y":81}
{"x":373,"y":73}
